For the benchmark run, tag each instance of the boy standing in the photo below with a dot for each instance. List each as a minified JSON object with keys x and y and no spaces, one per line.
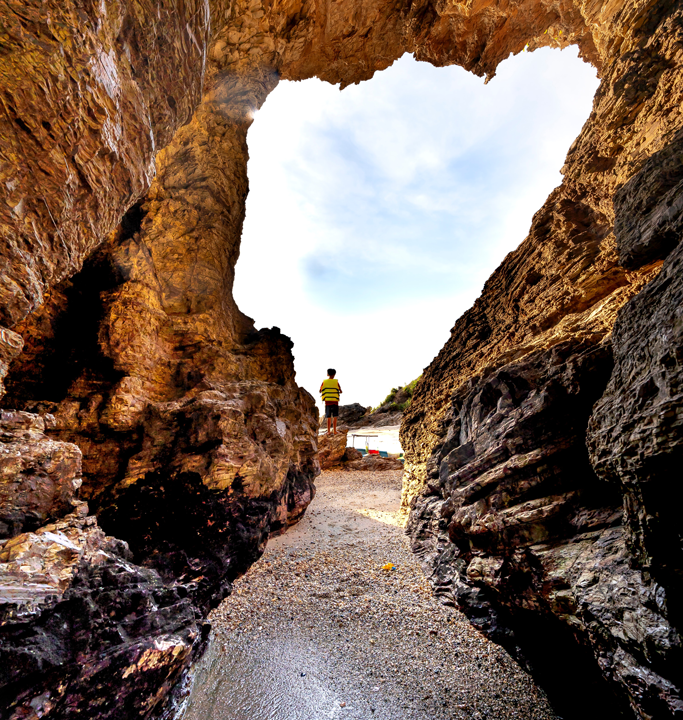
{"x":330,"y":391}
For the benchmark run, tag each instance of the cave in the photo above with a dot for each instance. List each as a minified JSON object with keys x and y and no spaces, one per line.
{"x":542,"y":443}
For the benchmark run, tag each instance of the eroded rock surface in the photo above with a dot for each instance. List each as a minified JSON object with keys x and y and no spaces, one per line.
{"x":196,"y":442}
{"x":85,"y":630}
{"x":123,"y":166}
{"x":542,"y":442}
{"x":634,"y":435}
{"x":333,"y":453}
{"x":332,"y":449}
{"x":39,"y":477}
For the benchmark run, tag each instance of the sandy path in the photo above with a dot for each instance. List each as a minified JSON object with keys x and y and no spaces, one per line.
{"x":317,"y":629}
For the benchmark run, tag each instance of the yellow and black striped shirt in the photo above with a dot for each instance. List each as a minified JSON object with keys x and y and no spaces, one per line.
{"x":330,"y":390}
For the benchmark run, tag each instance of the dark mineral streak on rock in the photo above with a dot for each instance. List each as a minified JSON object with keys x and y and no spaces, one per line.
{"x":636,"y":432}
{"x":111,"y":646}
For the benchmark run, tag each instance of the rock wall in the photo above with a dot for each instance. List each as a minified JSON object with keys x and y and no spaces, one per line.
{"x":139,"y":379}
{"x":123,"y":162}
{"x":543,"y":440}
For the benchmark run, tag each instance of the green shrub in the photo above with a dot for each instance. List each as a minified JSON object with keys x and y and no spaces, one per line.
{"x":389,"y":402}
{"x":390,"y":397}
{"x":410,"y":387}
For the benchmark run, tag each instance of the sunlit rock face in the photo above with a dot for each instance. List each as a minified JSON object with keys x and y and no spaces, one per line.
{"x":123,"y":159}
{"x":545,"y":439}
{"x":135,"y":373}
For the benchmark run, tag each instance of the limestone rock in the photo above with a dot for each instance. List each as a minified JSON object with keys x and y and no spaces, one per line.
{"x":649,"y":207}
{"x":90,"y":96}
{"x":528,"y":533}
{"x":381,"y":418}
{"x":516,"y":528}
{"x":85,"y":628}
{"x":375,"y":463}
{"x":197,"y":443}
{"x":38,"y":567}
{"x":123,"y":166}
{"x":332,"y":448}
{"x":11,"y":344}
{"x":635,"y":435}
{"x":39,"y":477}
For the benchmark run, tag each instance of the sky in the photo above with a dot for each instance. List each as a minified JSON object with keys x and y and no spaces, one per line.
{"x":376,"y":214}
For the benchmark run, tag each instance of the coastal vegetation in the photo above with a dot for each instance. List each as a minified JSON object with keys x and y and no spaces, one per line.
{"x":399,"y":398}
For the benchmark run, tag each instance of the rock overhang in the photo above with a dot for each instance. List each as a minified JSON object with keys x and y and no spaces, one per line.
{"x":166,"y":334}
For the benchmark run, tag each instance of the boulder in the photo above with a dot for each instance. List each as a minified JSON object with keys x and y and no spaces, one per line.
{"x":375,"y":463}
{"x":348,"y":415}
{"x":352,"y":454}
{"x":331,"y":449}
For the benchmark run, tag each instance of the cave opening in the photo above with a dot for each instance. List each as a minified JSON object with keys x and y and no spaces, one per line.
{"x":68,"y":346}
{"x":384,"y":208}
{"x":381,"y":232}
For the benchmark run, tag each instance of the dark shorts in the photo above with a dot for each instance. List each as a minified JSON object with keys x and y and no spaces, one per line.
{"x":331,"y":411}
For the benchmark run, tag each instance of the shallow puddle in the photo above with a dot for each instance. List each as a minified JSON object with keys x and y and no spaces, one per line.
{"x":257,"y":682}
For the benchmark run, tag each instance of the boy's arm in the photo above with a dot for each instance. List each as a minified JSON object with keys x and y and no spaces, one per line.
{"x":340,"y":390}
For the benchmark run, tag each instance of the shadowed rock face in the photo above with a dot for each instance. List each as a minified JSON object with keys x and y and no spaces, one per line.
{"x":539,"y":444}
{"x":516,"y":528}
{"x":543,"y":441}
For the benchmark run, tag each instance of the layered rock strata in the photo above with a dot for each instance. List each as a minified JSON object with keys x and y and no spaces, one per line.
{"x":123,"y":164}
{"x":196,"y":442}
{"x":543,"y":440}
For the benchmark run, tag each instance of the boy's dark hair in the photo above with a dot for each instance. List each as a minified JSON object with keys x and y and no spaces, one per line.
{"x":331,"y":372}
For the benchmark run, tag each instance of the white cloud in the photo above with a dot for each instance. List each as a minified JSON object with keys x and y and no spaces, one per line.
{"x":376,"y":214}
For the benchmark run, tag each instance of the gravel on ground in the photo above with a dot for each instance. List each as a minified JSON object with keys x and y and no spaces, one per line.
{"x":338,"y":621}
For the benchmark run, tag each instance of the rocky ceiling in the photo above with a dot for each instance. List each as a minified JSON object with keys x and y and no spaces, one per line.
{"x":152,"y":439}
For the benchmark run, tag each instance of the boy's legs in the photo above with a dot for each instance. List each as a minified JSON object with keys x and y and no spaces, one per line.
{"x":329,"y":422}
{"x":334,"y":413}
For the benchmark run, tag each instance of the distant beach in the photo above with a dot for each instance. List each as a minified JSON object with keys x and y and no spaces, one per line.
{"x":382,"y":438}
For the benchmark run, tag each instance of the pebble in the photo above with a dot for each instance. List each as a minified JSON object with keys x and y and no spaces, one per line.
{"x":380,"y":640}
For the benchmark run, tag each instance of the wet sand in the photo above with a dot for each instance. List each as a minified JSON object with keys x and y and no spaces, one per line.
{"x":317,"y":629}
